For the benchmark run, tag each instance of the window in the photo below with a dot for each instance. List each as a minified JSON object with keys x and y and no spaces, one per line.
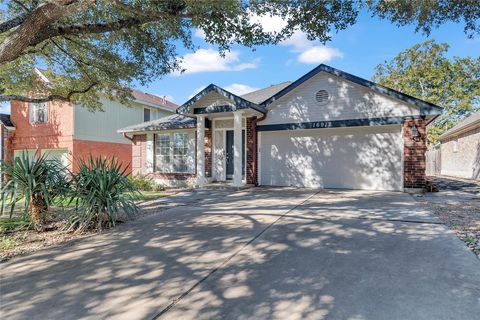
{"x":172,"y":152}
{"x":322,"y":96}
{"x":146,"y":114}
{"x":39,"y":112}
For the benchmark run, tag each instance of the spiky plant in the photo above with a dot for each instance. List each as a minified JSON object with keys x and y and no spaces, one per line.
{"x":102,"y":192}
{"x":35,"y":181}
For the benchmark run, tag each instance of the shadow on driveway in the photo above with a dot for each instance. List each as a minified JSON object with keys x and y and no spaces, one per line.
{"x":316,"y":254}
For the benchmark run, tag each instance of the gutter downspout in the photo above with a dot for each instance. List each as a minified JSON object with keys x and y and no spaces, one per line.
{"x":127,"y":137}
{"x":255,"y":153}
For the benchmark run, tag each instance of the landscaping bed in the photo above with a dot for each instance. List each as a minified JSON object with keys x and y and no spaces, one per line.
{"x":457,"y":205}
{"x":18,"y":238}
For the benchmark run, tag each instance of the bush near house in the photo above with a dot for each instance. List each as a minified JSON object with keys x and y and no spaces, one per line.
{"x":102,"y":193}
{"x":145,"y":183}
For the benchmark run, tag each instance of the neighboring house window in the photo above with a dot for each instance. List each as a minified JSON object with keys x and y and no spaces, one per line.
{"x":172,"y":152}
{"x":455,"y":145}
{"x":146,"y":114}
{"x":39,"y":112}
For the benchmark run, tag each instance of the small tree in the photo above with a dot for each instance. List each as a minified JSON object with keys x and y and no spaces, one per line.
{"x":36,"y":181}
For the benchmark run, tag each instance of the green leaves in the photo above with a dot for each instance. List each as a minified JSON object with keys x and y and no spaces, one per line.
{"x":425,"y":72}
{"x":102,"y":193}
{"x":36,"y":182}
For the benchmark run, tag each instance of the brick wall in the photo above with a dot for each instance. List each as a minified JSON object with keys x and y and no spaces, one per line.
{"x":251,"y":146}
{"x":83,"y":149}
{"x":414,"y":164}
{"x":139,"y":154}
{"x":208,"y":153}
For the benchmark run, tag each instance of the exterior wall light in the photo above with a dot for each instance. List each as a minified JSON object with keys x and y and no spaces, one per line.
{"x":415,"y":133}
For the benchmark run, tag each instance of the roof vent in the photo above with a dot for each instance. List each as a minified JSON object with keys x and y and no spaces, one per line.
{"x":322,"y":96}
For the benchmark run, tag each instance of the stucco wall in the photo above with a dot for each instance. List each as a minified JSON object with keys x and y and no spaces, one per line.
{"x":348,"y":101}
{"x":465,"y":163}
{"x":103,"y":125}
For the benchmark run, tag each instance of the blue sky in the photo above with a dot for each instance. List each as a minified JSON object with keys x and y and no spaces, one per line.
{"x":356,"y":50}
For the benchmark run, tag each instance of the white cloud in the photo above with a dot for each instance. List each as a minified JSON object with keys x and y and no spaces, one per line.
{"x":273,"y":24}
{"x":308,"y":52}
{"x":197,"y":90}
{"x":209,"y":60}
{"x":199,"y":34}
{"x":240,"y":89}
{"x":319,"y":54}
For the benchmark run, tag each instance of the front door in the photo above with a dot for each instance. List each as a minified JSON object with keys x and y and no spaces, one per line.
{"x":229,"y":153}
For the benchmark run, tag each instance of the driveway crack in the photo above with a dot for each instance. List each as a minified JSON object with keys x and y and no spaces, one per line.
{"x":227,"y":260}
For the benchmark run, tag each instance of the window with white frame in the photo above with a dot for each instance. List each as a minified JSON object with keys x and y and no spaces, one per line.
{"x":39,"y":112}
{"x":172,"y":153}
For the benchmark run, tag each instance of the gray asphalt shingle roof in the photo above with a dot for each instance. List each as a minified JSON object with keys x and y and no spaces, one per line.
{"x":467,"y":122}
{"x":261,"y":95}
{"x":174,"y":121}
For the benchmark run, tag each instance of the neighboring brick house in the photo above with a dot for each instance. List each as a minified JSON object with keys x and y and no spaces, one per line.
{"x":71,"y":132}
{"x":458,"y":154}
{"x":328,"y":129}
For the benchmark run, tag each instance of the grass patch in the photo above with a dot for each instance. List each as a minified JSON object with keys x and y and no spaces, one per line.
{"x":150,"y":195}
{"x":14,"y":224}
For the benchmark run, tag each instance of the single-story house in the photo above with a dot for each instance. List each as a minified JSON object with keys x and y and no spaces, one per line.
{"x":460,"y":149}
{"x":328,"y":129}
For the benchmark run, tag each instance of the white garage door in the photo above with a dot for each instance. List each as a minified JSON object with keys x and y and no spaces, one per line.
{"x":368,"y":158}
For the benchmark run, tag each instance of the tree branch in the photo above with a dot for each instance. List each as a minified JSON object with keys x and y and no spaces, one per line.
{"x":67,"y":98}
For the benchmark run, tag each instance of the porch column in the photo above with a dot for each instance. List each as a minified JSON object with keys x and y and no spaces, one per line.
{"x":200,"y":151}
{"x":237,"y":148}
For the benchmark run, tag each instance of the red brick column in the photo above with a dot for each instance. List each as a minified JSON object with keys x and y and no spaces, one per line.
{"x":251,"y":146}
{"x":139,"y":154}
{"x":208,"y":153}
{"x":414,"y":164}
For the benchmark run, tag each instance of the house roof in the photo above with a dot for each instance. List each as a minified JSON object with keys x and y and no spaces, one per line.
{"x":141,"y":97}
{"x":261,"y":95}
{"x":468,"y":122}
{"x":174,"y":121}
{"x":6,"y":120}
{"x":240,"y":102}
{"x":154,"y":100}
{"x":426,"y":108}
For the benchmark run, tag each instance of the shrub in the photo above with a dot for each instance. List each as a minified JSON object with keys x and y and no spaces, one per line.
{"x":102,"y":192}
{"x":144,"y":183}
{"x":37,"y":182}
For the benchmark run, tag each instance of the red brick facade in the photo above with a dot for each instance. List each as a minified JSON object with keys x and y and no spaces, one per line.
{"x":208,"y":153}
{"x":414,"y":163}
{"x":58,"y":133}
{"x":251,"y":166}
{"x":414,"y":155}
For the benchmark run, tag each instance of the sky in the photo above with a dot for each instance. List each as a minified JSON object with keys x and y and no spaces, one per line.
{"x":356,"y":50}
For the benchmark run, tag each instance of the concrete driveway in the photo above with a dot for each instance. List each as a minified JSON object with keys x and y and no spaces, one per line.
{"x":255,"y":254}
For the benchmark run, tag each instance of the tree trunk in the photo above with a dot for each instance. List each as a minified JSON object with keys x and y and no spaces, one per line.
{"x":38,"y":211}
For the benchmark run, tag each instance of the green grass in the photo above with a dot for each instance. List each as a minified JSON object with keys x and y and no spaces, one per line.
{"x":7,"y":243}
{"x":17,"y":223}
{"x":150,"y":195}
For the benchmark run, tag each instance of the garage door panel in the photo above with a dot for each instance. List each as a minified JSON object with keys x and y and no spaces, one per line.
{"x":367,"y":158}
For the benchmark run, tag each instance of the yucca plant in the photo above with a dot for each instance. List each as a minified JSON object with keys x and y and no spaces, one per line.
{"x":35,"y":181}
{"x":102,"y":193}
